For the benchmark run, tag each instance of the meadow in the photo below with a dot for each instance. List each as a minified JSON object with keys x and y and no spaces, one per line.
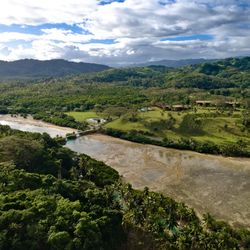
{"x":202,"y":124}
{"x":84,"y":116}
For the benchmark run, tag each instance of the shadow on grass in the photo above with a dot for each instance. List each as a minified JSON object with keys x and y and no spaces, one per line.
{"x":190,"y":132}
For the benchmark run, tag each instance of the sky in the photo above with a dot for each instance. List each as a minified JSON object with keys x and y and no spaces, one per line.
{"x":123,"y":32}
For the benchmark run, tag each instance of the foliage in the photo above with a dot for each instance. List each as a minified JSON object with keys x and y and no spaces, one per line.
{"x":191,"y":124}
{"x":61,"y":119}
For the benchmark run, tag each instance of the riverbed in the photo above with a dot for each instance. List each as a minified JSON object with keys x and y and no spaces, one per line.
{"x":207,"y":183}
{"x":31,"y":125}
{"x":215,"y":184}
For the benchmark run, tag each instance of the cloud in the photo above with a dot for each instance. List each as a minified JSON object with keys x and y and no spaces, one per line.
{"x":45,"y":11}
{"x":121,"y":32}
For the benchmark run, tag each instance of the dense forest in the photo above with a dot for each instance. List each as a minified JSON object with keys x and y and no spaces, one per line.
{"x":53,"y":198}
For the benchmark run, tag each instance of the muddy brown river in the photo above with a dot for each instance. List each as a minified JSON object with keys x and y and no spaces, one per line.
{"x":208,"y":183}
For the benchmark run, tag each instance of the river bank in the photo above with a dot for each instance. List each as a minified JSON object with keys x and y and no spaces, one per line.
{"x":31,"y":125}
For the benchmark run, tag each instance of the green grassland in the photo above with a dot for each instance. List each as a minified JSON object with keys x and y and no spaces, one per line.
{"x":83,"y":116}
{"x":220,"y":127}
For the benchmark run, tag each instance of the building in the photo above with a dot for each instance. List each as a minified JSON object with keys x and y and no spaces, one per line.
{"x":204,"y":103}
{"x":163,"y":106}
{"x":179,"y":107}
{"x":96,"y":120}
{"x":146,"y":109}
{"x":232,"y":104}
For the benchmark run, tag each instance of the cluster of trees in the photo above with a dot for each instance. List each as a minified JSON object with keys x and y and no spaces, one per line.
{"x":63,"y":96}
{"x":246,"y":120}
{"x":191,"y":124}
{"x":43,"y":212}
{"x":201,"y":81}
{"x":60,"y":119}
{"x":162,"y":124}
{"x":52,"y":198}
{"x":172,"y":225}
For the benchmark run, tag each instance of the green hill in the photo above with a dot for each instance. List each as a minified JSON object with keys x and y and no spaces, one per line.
{"x":227,"y":73}
{"x":29,"y":68}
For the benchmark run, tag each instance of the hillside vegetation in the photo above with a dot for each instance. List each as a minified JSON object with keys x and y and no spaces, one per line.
{"x":29,"y":68}
{"x":228,"y":73}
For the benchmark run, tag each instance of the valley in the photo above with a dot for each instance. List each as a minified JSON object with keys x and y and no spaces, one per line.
{"x":125,"y":125}
{"x":204,"y":182}
{"x":176,"y":143}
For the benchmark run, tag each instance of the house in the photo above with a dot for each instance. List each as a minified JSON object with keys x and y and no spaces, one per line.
{"x":232,"y":104}
{"x":163,"y":106}
{"x":96,"y":120}
{"x":146,"y":109}
{"x":204,"y":103}
{"x":179,"y":107}
{"x":143,"y":110}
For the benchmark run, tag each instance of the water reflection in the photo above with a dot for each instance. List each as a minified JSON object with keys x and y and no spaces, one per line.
{"x":207,"y":183}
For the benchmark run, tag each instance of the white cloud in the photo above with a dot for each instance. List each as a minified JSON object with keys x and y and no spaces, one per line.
{"x":138,"y":28}
{"x":6,"y":37}
{"x":134,"y":18}
{"x":34,"y":12}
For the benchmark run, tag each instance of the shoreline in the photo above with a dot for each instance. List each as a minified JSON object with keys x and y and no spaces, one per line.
{"x":33,"y":122}
{"x":67,"y":130}
{"x":101,"y":137}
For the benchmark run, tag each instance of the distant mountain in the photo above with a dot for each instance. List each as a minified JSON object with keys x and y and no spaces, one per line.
{"x":176,"y":63}
{"x":225,"y":73}
{"x":29,"y":68}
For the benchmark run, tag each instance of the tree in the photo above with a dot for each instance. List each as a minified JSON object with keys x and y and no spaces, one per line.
{"x":60,"y":240}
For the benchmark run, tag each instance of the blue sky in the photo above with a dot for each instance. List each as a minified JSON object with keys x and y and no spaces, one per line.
{"x":124,"y":31}
{"x":200,"y":37}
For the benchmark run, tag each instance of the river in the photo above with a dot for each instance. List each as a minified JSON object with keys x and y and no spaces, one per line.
{"x":208,"y":183}
{"x":31,"y":125}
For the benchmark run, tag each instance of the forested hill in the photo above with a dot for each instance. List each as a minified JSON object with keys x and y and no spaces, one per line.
{"x":29,"y":68}
{"x":227,"y":73}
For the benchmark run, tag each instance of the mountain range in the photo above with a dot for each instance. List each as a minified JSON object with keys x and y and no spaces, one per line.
{"x":30,"y":68}
{"x":36,"y":69}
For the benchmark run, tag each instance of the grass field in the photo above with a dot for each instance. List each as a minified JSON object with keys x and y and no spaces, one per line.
{"x":219,"y":128}
{"x":83,"y":116}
